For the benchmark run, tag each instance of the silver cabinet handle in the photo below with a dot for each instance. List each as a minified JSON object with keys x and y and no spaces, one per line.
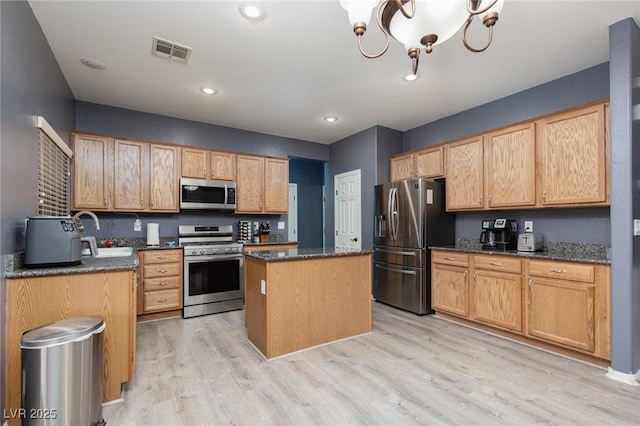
{"x":495,"y":263}
{"x":162,"y":284}
{"x":558,"y":271}
{"x":450,"y":259}
{"x":162,"y":271}
{"x":400,"y":271}
{"x":404,"y":253}
{"x":162,"y":300}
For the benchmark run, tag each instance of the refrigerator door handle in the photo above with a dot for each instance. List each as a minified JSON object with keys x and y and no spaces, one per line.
{"x":393,"y":213}
{"x":400,"y":271}
{"x":404,"y":253}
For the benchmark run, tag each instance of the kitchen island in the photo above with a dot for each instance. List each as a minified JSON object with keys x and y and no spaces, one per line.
{"x":299,"y":298}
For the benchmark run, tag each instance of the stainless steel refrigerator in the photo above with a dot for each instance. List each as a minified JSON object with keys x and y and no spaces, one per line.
{"x":409,"y":217}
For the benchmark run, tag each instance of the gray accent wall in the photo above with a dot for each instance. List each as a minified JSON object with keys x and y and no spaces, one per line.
{"x":32,"y":85}
{"x":624,"y":54}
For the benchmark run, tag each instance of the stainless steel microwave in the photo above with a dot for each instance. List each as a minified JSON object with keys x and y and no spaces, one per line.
{"x":204,"y":194}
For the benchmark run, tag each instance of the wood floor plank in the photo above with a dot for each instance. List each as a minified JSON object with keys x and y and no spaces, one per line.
{"x":410,"y":370}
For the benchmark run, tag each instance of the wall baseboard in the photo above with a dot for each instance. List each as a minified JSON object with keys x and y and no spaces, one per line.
{"x":629,"y":379}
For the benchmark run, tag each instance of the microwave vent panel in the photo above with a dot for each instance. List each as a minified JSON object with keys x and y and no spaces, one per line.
{"x":170,"y":50}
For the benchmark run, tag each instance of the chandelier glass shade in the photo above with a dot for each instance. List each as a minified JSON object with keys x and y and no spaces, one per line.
{"x":421,"y":24}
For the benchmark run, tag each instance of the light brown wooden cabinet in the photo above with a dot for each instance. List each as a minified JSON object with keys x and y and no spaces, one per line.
{"x":123,"y":175}
{"x":510,"y":158}
{"x":465,"y":174}
{"x":574,"y":157}
{"x":497,"y":291}
{"x":425,"y":163}
{"x":208,"y":164}
{"x":160,"y":288}
{"x":92,"y":172}
{"x":262,"y":184}
{"x":450,"y":282}
{"x":35,"y":301}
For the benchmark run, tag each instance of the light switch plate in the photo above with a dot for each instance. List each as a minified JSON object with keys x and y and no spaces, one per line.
{"x":636,"y":227}
{"x":280,"y":225}
{"x":528,"y":226}
{"x":263,"y":287}
{"x":137,"y":225}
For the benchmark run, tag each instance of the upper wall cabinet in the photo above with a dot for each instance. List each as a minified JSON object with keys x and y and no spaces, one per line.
{"x":510,"y":159}
{"x":92,"y":172}
{"x":425,"y":163}
{"x":130,"y":175}
{"x":574,"y":157}
{"x":263,"y":184}
{"x":465,"y":174}
{"x":164,"y":169}
{"x":208,"y":164}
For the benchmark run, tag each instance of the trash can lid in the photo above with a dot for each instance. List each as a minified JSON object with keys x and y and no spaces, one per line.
{"x":60,"y":332}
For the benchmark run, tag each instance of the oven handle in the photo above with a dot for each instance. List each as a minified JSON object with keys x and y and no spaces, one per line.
{"x":192,"y":259}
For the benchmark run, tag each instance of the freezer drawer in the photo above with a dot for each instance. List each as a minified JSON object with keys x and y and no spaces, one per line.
{"x":414,"y":258}
{"x":402,"y":287}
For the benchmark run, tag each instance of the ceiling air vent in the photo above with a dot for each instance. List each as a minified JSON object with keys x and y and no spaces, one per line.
{"x":170,"y":50}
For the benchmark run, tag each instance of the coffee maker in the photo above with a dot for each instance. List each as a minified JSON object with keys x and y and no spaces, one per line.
{"x":499,"y":234}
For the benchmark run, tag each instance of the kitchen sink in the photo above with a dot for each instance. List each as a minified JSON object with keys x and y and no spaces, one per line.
{"x":114,"y":251}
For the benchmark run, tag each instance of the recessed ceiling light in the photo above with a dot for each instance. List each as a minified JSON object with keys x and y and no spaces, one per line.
{"x":411,"y":77}
{"x":92,"y":63}
{"x":253,"y":11}
{"x":331,"y":119}
{"x":208,"y":91}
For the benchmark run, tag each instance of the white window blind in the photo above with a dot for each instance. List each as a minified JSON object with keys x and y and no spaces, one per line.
{"x":53,"y":176}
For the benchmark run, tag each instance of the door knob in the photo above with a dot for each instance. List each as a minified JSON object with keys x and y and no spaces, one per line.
{"x":355,"y":240}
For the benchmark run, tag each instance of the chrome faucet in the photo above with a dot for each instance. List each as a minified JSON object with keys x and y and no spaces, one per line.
{"x":88,"y":213}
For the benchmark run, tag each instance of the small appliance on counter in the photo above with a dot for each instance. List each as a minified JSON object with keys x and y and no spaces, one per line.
{"x":53,"y":241}
{"x":244,"y":231}
{"x":530,"y":242}
{"x":499,"y":234}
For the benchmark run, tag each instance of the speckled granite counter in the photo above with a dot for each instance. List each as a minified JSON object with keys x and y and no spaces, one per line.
{"x":88,"y":265}
{"x":298,"y":254}
{"x":570,"y":252}
{"x":270,"y":243}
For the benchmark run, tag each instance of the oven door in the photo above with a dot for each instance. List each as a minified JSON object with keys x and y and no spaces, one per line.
{"x":210,"y":279}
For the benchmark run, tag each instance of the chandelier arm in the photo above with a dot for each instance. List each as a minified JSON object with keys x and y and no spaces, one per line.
{"x":464,"y":37}
{"x":413,"y":8}
{"x":386,"y":36}
{"x":478,"y":12}
{"x":414,"y":63}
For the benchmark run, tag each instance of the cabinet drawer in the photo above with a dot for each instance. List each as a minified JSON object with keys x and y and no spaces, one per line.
{"x":162,"y":270}
{"x":562,"y":270}
{"x":497,"y":263}
{"x":450,"y":258}
{"x":162,"y":300}
{"x":162,"y":283}
{"x":162,"y":256}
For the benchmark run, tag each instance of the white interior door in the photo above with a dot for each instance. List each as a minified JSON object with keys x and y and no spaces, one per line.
{"x":292,"y":224}
{"x":347,"y":210}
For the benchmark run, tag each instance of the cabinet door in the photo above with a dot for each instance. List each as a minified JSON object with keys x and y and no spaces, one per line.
{"x":164,"y":177}
{"x":511,"y":167}
{"x":497,"y":299}
{"x":402,"y":167}
{"x":222,"y":165}
{"x":130,"y":175}
{"x":561,"y":312}
{"x":92,"y":172}
{"x":194,"y":163}
{"x":429,"y":162}
{"x":574,"y":157}
{"x":464,"y":171}
{"x":276,"y":190}
{"x":250,"y":181}
{"x":450,"y":289}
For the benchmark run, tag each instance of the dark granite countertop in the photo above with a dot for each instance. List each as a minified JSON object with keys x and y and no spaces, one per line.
{"x":270,"y":243}
{"x":298,"y":254}
{"x":88,"y":265}
{"x":569,"y":252}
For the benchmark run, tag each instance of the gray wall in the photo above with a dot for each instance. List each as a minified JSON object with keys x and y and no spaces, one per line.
{"x":32,"y":84}
{"x":308,"y":175}
{"x":388,"y":143}
{"x":567,"y":225}
{"x":624,"y":54}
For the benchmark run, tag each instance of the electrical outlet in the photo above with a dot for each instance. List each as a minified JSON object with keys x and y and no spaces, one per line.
{"x":280,"y":225}
{"x":263,"y":287}
{"x":137,"y":225}
{"x":636,"y":227}
{"x":528,"y":226}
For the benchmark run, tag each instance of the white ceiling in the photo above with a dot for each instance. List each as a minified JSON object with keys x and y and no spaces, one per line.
{"x":281,"y":76}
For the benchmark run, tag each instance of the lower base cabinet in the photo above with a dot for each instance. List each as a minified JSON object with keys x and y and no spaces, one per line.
{"x":160,"y":288}
{"x":559,"y":304}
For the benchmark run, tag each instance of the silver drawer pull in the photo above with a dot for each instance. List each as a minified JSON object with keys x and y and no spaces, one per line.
{"x":161,"y":257}
{"x":558,"y":271}
{"x":162,"y":300}
{"x":451,"y":259}
{"x":162,"y":271}
{"x":495,"y":263}
{"x":162,"y":284}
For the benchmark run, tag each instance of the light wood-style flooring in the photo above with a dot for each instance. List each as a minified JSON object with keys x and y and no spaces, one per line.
{"x":410,"y":370}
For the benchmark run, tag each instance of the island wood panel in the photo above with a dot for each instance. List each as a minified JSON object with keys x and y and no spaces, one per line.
{"x":164,"y":178}
{"x":32,"y":302}
{"x":308,"y":302}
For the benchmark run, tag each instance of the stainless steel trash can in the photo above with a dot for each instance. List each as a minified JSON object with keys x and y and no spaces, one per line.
{"x":62,"y":373}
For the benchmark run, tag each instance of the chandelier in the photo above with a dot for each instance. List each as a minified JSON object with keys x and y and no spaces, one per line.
{"x":418,"y":23}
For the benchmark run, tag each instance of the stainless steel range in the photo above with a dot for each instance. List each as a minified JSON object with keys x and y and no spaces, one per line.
{"x":212,"y":270}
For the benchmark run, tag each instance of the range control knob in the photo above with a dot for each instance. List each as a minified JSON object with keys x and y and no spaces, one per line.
{"x":194,"y":252}
{"x":203,"y":251}
{"x":214,"y":251}
{"x":227,"y":250}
